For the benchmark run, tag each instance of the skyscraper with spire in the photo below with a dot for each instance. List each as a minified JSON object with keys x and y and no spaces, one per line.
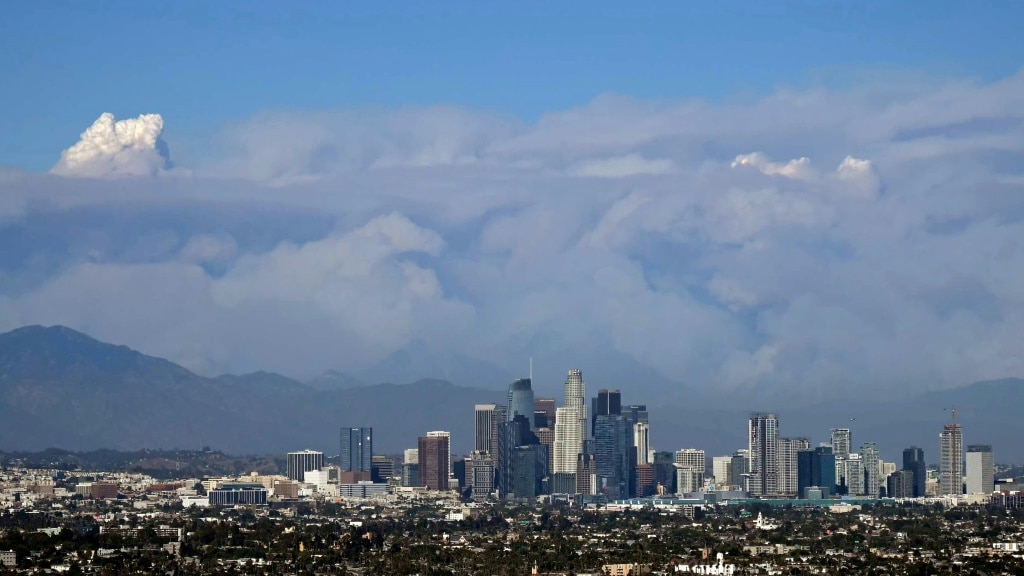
{"x":951,"y":458}
{"x":520,"y":400}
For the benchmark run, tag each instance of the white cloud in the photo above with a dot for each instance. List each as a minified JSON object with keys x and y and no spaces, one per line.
{"x":680,"y":248}
{"x":129,"y":147}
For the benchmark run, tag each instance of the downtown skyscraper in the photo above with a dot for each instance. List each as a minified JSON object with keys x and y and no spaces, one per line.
{"x":434,"y":458}
{"x":356,"y":449}
{"x":763,"y":435}
{"x":520,"y":400}
{"x":570,"y":424}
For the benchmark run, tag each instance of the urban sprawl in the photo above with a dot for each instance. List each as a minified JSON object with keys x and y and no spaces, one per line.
{"x":547,"y":489}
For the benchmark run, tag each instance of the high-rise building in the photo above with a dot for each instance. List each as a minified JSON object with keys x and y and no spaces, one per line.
{"x":900,"y":484}
{"x":529,"y":468}
{"x":980,"y":469}
{"x":520,"y":400}
{"x":913,"y":461}
{"x":951,"y":458}
{"x":483,"y":426}
{"x":642,"y":442}
{"x":570,"y":425}
{"x":637,"y":413}
{"x":740,"y":472}
{"x":688,"y":479}
{"x":607,"y":403}
{"x":841,"y":442}
{"x":870,"y":460}
{"x":480,"y":475}
{"x":586,"y":473}
{"x":512,"y":434}
{"x":788,"y":469}
{"x":693,"y":458}
{"x":546,"y":437}
{"x":763,"y":429}
{"x":854,"y":473}
{"x":721,"y":469}
{"x":301,"y":462}
{"x":435,"y":460}
{"x":664,"y":471}
{"x":382,"y":468}
{"x":613,"y":440}
{"x":411,"y":456}
{"x":816,"y":468}
{"x":356,"y":449}
{"x":547,"y":407}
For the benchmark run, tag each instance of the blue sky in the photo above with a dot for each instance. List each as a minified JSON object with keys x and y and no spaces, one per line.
{"x":203,"y":65}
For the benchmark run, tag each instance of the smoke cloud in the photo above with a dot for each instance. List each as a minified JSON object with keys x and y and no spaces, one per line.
{"x":112,"y":148}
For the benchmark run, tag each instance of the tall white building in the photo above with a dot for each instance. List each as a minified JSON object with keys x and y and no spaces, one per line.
{"x":951,"y":458}
{"x":870,"y":461}
{"x":721,"y":469}
{"x":570,"y":424}
{"x":853,"y":471}
{"x":642,"y":441}
{"x":691,"y":457}
{"x":688,"y":478}
{"x":980,"y":469}
{"x":299,"y":463}
{"x":788,"y":468}
{"x":841,"y":438}
{"x":411,"y":456}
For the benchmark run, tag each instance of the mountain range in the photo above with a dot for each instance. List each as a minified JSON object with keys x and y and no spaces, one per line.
{"x":61,"y":388}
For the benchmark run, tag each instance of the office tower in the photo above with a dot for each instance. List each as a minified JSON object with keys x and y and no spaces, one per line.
{"x":448,"y":439}
{"x":411,"y":474}
{"x":520,"y":400}
{"x":688,"y":479}
{"x":642,"y":442}
{"x":854,"y":474}
{"x":637,"y":413}
{"x":664,"y":471}
{"x":900,"y":484}
{"x":872,"y":471}
{"x":356,"y":449}
{"x":458,"y":477}
{"x":607,"y":403}
{"x":547,"y":407}
{"x":691,"y":457}
{"x":301,"y":462}
{"x":435,"y":460}
{"x":841,"y":442}
{"x":546,"y":438}
{"x":570,"y":425}
{"x":480,"y":475}
{"x":951,"y":458}
{"x":763,"y":433}
{"x":411,"y":456}
{"x":483,"y":426}
{"x":787,"y":466}
{"x":529,"y":468}
{"x":816,"y":468}
{"x":613,"y":439}
{"x":721,"y":468}
{"x":512,"y":434}
{"x":980,"y":469}
{"x":740,"y":472}
{"x":382,"y":468}
{"x":644,"y":480}
{"x":586,"y":473}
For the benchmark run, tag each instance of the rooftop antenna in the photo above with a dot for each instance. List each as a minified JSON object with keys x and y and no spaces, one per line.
{"x":953,"y":411}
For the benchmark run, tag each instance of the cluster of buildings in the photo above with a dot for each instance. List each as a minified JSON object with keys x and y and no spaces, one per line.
{"x":601,"y":451}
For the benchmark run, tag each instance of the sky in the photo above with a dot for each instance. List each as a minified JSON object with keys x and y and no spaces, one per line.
{"x":746,"y":196}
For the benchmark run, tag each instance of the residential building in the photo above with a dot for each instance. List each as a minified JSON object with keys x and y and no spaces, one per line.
{"x":870,"y":460}
{"x":763,"y":432}
{"x":788,"y":469}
